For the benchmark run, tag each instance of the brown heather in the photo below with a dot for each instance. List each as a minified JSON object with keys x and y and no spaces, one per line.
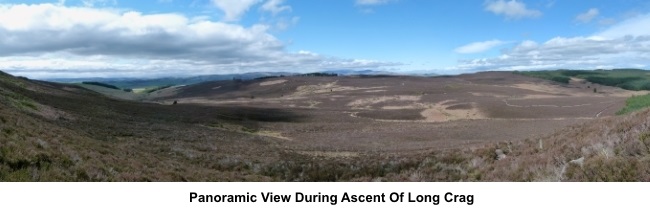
{"x":56,"y":132}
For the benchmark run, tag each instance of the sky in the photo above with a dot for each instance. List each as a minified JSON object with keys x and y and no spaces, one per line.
{"x":158,"y":38}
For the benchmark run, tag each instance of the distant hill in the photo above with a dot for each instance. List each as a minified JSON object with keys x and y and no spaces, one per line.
{"x":362,"y":72}
{"x":156,"y":82}
{"x":130,"y":83}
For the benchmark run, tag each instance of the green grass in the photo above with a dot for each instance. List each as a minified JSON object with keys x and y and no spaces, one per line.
{"x":635,"y":103}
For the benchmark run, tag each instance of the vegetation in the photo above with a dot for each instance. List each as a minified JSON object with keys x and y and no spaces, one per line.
{"x":268,"y":77}
{"x":319,"y":74}
{"x":635,"y":103}
{"x":102,"y":85}
{"x":557,"y":76}
{"x":630,"y":79}
{"x":73,"y":134}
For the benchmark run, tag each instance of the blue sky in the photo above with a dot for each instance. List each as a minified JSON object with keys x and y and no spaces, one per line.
{"x":152,"y":38}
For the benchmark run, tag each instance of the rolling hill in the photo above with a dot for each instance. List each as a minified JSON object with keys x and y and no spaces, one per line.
{"x":324,"y":129}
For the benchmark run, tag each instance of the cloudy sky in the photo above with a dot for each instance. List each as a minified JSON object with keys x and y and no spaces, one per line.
{"x":153,"y":38}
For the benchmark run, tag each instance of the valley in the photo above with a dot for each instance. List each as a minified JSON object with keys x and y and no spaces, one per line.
{"x":488,"y":126}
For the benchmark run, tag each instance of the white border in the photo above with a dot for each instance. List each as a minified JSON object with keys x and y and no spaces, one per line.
{"x":175,"y":196}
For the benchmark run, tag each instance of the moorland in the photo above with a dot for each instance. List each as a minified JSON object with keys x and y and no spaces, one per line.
{"x":489,"y":126}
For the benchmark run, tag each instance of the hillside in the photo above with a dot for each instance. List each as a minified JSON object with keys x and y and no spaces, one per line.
{"x":60,"y":132}
{"x":56,"y":132}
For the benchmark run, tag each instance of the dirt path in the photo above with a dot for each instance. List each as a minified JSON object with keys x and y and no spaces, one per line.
{"x":558,"y":106}
{"x":604,"y":109}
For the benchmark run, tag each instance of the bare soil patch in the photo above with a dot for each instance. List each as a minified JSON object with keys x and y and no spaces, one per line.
{"x":273,"y":82}
{"x":368,"y":102}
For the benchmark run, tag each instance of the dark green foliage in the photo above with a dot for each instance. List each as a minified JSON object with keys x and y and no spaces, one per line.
{"x":629,"y":79}
{"x":560,"y":79}
{"x":575,"y":73}
{"x":102,"y":85}
{"x":319,"y":75}
{"x":548,"y":75}
{"x":268,"y":77}
{"x":614,"y":80}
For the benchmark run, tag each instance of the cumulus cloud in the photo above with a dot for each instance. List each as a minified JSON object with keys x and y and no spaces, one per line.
{"x":89,"y":31}
{"x":636,"y":26}
{"x":234,"y":9}
{"x":48,"y":40}
{"x":588,"y":16}
{"x":623,"y":45}
{"x":478,"y":47}
{"x":511,"y":9}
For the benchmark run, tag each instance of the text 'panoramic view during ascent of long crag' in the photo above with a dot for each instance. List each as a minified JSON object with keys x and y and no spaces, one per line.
{"x":348,"y":90}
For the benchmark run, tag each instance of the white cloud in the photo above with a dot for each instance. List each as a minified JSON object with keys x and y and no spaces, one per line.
{"x":92,"y":3}
{"x":285,"y":23}
{"x":550,"y":3}
{"x":588,"y":16}
{"x":372,"y":2}
{"x":511,"y":9}
{"x":49,"y":40}
{"x":234,"y":9}
{"x":624,"y":45}
{"x":478,"y":47}
{"x":275,"y":6}
{"x":635,"y":26}
{"x":607,"y":21}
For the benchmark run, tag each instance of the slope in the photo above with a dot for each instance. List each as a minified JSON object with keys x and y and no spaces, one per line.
{"x":57,"y":132}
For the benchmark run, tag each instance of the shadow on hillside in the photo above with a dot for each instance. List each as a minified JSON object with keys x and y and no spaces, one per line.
{"x":239,"y":113}
{"x":95,"y":106}
{"x":209,"y":88}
